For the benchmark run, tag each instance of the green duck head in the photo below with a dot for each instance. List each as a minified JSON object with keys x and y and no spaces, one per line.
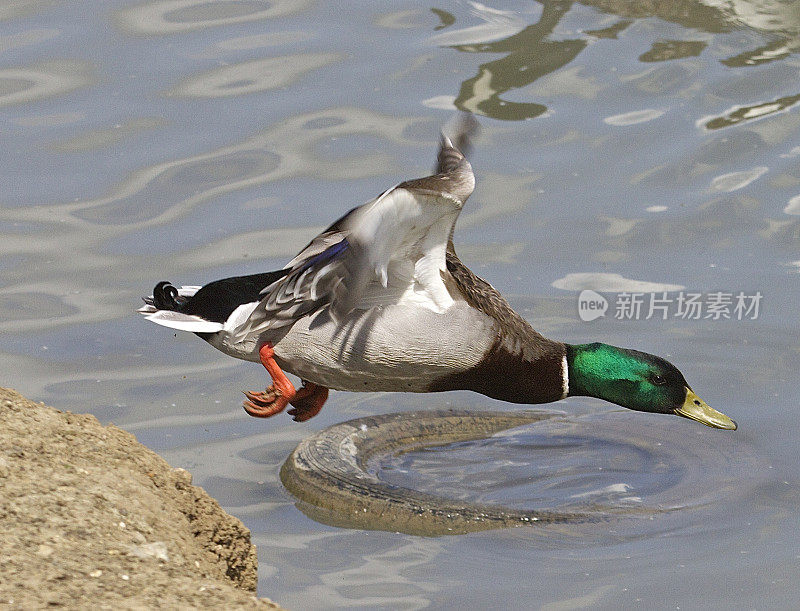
{"x":639,"y":381}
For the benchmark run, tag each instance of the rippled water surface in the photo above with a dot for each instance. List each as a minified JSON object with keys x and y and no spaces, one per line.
{"x":626,"y":146}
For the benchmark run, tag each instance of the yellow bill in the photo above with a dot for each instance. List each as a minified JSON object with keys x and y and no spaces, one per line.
{"x":697,"y":409}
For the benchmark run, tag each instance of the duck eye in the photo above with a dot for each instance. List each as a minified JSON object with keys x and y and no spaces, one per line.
{"x":658,"y":380}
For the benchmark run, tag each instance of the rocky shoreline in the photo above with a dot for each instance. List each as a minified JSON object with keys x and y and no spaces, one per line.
{"x":90,"y":517}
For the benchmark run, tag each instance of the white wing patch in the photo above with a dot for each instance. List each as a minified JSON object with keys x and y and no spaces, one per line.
{"x":387,"y":251}
{"x":390,"y":250}
{"x":399,"y":226}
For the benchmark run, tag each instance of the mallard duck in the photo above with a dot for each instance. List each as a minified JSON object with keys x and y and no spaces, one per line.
{"x":380,"y":301}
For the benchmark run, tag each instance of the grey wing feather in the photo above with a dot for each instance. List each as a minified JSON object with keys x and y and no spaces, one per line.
{"x":338,"y":265}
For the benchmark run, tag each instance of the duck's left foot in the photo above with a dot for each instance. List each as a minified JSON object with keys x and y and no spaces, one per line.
{"x":308,"y":401}
{"x":276,"y":397}
{"x":266,"y":403}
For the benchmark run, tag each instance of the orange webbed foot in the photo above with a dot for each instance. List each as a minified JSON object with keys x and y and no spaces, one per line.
{"x":308,"y":401}
{"x":263,"y":404}
{"x":277,"y":396}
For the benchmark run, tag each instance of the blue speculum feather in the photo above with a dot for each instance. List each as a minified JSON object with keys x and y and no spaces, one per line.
{"x":327,"y":255}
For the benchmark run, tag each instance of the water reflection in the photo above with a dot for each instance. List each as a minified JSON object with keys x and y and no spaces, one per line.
{"x":379,"y":579}
{"x":260,"y":41}
{"x":775,"y":51}
{"x":28,"y":37}
{"x":290,"y":149}
{"x":793,"y":207}
{"x":715,"y":16}
{"x":528,"y":54}
{"x":634,"y":117}
{"x":497,"y":25}
{"x":610,"y":282}
{"x":62,"y":118}
{"x":253,"y":76}
{"x":740,"y":114}
{"x":109,"y":136}
{"x":28,"y":84}
{"x":533,"y":51}
{"x":693,"y":14}
{"x":181,"y":181}
{"x":13,"y":9}
{"x":667,"y":50}
{"x":737,"y":180}
{"x":173,"y":16}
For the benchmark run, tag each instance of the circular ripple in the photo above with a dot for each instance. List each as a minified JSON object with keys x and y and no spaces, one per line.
{"x":443,"y":472}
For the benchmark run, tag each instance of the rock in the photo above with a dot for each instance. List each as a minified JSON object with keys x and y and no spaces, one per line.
{"x":92,"y":518}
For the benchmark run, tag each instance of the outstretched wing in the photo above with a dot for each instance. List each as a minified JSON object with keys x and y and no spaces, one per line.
{"x":375,"y":253}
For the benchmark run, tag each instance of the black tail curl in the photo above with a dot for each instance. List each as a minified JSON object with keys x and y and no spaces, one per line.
{"x":165,"y":297}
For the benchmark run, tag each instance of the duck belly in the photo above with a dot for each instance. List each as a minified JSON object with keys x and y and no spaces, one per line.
{"x":386,"y":348}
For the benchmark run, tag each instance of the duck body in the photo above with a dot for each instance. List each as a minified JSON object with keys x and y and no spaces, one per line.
{"x":380,"y":301}
{"x":407,"y":346}
{"x":397,"y":347}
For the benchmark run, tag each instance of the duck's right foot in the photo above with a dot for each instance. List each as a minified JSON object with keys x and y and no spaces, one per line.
{"x":308,"y":401}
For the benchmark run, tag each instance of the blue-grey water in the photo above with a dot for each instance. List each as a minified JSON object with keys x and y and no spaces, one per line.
{"x":627,"y":147}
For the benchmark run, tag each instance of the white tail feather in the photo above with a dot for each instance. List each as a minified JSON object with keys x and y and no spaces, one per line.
{"x":184,"y":322}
